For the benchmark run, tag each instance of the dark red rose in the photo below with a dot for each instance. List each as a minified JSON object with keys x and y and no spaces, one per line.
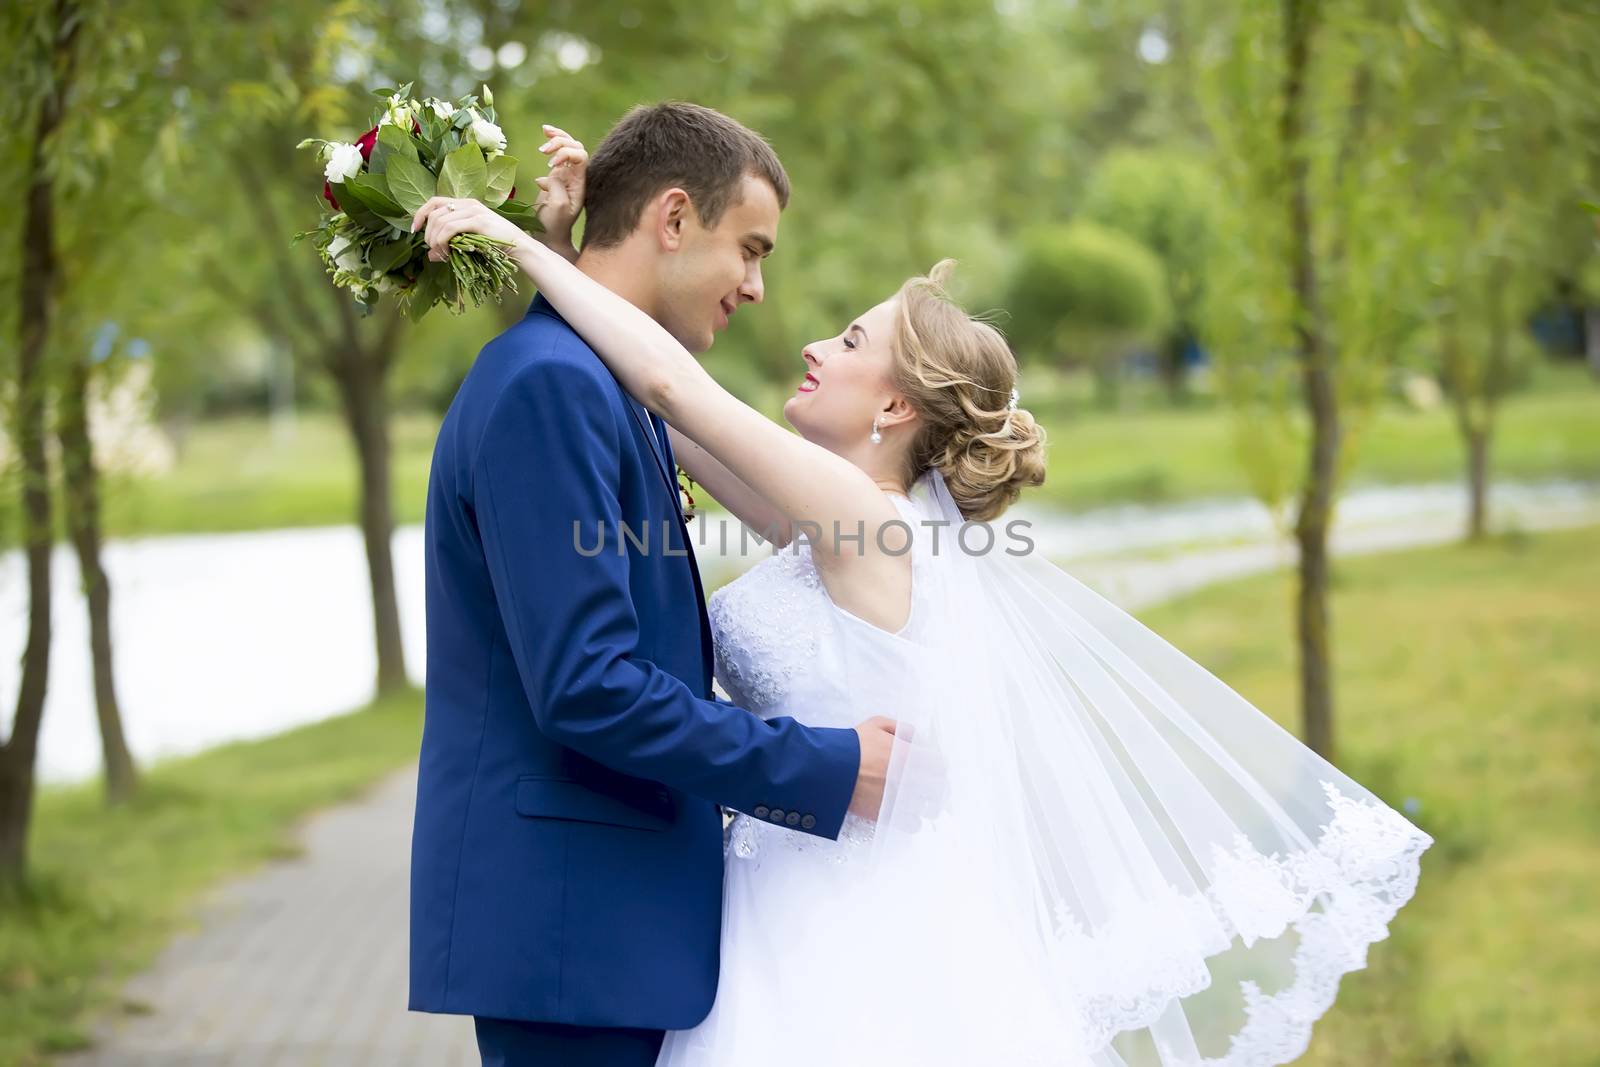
{"x":365,"y":143}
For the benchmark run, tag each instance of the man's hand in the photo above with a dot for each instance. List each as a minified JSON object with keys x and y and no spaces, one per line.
{"x":877,"y":741}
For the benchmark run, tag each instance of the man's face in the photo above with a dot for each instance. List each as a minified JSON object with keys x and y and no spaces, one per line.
{"x":716,"y":270}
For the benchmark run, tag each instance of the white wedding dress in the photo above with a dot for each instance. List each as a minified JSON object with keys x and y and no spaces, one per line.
{"x":1030,"y":894}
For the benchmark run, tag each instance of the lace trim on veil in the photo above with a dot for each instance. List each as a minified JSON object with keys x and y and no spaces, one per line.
{"x":1363,"y":869}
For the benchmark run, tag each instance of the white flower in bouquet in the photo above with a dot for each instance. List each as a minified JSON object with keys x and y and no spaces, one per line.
{"x":489,"y":136}
{"x":399,"y":112}
{"x":443,"y":108}
{"x":345,"y":254}
{"x":344,"y":161}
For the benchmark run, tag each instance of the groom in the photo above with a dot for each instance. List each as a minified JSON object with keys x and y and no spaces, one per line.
{"x":566,"y":875}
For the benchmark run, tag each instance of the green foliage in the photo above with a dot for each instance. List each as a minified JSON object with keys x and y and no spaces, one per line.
{"x":1083,"y":289}
{"x":500,"y":179}
{"x":464,"y":173}
{"x":1167,"y":201}
{"x":410,"y":183}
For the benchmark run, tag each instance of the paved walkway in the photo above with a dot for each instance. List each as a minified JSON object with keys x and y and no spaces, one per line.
{"x":304,"y":963}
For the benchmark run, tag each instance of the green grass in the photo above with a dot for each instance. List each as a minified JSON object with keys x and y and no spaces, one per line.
{"x":1466,"y":679}
{"x":108,"y":888}
{"x":234,"y":475}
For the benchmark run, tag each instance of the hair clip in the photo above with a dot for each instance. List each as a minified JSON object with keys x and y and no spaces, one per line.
{"x":1014,"y":398}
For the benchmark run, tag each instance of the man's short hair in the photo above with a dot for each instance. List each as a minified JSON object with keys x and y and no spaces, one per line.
{"x":656,"y":147}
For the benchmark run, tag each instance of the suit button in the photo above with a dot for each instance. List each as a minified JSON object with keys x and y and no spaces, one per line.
{"x":793,"y":818}
{"x":776,"y":815}
{"x":808,"y":822}
{"x":761,"y":811}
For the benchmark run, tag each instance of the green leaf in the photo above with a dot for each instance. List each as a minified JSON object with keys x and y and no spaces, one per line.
{"x":352,"y":205}
{"x":410,"y":183}
{"x":1588,"y":206}
{"x":392,"y":141}
{"x":429,"y":287}
{"x":386,"y":256}
{"x":502,"y":176}
{"x":527,"y":220}
{"x":464,"y":173}
{"x":373,"y":192}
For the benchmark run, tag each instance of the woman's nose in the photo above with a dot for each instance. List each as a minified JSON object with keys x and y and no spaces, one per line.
{"x":810,"y":357}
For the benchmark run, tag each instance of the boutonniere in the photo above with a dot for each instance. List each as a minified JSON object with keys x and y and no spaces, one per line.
{"x":685,"y":496}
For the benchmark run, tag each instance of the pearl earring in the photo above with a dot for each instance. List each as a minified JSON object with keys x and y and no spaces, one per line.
{"x":877,"y":438}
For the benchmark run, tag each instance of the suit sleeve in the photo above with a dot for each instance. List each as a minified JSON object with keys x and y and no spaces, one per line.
{"x":546,"y":469}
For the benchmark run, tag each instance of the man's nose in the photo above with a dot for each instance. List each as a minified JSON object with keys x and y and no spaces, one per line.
{"x":753,"y":289}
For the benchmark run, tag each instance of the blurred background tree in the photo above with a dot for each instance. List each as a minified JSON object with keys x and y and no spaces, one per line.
{"x":1085,"y":294}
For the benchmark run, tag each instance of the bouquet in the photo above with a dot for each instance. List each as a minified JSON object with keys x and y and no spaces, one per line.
{"x":416,"y":150}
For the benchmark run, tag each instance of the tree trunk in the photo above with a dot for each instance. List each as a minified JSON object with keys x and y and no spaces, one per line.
{"x":1172,"y":369}
{"x":1478,"y":483}
{"x":39,"y":283}
{"x":1108,"y":381}
{"x":1321,"y":397}
{"x":1591,"y":322}
{"x":366,"y":410}
{"x":83,"y":521}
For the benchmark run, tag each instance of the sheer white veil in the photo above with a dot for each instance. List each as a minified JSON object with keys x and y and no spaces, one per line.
{"x":1086,"y":820}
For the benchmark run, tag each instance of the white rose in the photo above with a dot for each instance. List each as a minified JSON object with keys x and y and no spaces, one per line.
{"x":488,"y":135}
{"x":344,"y":161}
{"x":345,"y":254}
{"x":383,"y":284}
{"x":444,"y":109}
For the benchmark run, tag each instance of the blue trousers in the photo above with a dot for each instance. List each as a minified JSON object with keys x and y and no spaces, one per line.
{"x":510,"y":1043}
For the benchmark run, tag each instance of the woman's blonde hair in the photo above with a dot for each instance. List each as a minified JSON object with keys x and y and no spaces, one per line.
{"x":959,"y":373}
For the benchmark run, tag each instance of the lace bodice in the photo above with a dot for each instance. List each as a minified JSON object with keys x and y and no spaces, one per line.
{"x":784,"y":648}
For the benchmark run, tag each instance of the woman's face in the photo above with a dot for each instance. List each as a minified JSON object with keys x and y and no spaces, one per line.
{"x":847,"y":382}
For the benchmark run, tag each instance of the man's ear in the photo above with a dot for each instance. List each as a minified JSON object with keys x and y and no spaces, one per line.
{"x":673,"y":212}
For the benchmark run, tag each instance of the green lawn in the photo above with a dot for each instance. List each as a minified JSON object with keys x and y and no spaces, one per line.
{"x":1492,"y":722}
{"x":110,"y":887}
{"x":234,"y":475}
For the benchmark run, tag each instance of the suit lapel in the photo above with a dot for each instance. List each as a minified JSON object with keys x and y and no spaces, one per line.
{"x":668,"y":475}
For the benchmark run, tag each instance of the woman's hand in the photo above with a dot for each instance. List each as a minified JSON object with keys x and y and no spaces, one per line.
{"x":561,"y":191}
{"x":442,"y":217}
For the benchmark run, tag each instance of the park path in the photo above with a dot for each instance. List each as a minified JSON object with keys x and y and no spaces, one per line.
{"x":304,"y":962}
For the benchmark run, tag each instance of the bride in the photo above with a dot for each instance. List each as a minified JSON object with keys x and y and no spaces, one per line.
{"x":1091,"y":851}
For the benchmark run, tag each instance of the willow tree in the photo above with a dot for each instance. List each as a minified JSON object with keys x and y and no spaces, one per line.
{"x":1504,"y":114}
{"x":1307,"y":302}
{"x":44,"y":47}
{"x":92,"y":126}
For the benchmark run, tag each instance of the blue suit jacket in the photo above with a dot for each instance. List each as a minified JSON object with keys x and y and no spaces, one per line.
{"x":567,"y":854}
